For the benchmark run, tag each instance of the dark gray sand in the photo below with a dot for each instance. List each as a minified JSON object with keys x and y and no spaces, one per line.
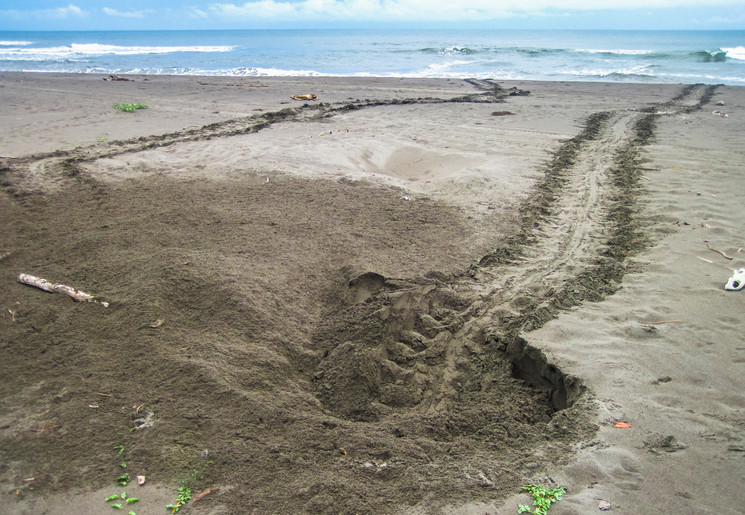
{"x":405,"y":296}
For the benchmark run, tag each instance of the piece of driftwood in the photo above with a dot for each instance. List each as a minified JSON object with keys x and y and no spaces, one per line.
{"x":309,"y":96}
{"x":45,"y":285}
{"x":205,"y":493}
{"x":116,"y":78}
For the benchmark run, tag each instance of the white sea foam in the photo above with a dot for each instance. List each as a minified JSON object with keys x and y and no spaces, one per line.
{"x":737,"y":52}
{"x":615,"y":51}
{"x":232,"y":72}
{"x":691,"y":78}
{"x":441,"y":67}
{"x":78,"y":50}
{"x":639,"y":71}
{"x":15,"y":43}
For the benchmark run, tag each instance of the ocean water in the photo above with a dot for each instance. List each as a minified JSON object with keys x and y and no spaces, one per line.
{"x":712,"y":57}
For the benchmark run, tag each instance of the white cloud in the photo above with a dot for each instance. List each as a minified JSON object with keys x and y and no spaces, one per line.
{"x":131,"y":14}
{"x":196,"y":13}
{"x":71,"y":11}
{"x":430,"y":9}
{"x":260,"y":8}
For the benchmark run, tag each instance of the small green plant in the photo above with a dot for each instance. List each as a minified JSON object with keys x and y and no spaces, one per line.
{"x":130,"y":108}
{"x":122,"y":480}
{"x":543,"y":498}
{"x":184,"y":495}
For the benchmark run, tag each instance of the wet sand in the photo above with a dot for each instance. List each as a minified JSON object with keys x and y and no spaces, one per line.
{"x":407,"y":296}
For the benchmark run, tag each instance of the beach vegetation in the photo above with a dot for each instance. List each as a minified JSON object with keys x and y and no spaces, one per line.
{"x":543,"y":498}
{"x":130,"y":108}
{"x":184,"y":496}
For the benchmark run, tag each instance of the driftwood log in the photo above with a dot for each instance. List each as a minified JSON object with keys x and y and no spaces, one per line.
{"x":45,"y":285}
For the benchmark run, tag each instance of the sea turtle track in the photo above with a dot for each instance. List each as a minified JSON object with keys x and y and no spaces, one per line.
{"x":438,"y":336}
{"x":38,"y":171}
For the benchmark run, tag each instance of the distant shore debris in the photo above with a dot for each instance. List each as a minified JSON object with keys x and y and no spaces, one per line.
{"x":309,"y":96}
{"x":116,"y":78}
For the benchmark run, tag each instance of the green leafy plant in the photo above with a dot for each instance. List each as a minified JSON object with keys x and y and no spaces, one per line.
{"x":543,"y":498}
{"x":130,"y":108}
{"x":111,"y":498}
{"x":184,"y":495}
{"x":123,"y":479}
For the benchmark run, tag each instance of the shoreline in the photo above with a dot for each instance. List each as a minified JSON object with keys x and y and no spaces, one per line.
{"x":409,"y":191}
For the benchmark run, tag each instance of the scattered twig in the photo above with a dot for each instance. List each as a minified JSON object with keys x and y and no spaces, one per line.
{"x":104,"y":394}
{"x":711,"y":262}
{"x":657,"y":322}
{"x":45,"y":285}
{"x":725,"y":256}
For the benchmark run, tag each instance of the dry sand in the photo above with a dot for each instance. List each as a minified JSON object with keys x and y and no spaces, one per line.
{"x":408,"y":296}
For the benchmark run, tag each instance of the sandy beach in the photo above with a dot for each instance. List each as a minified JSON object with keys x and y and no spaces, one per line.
{"x":402,"y":296}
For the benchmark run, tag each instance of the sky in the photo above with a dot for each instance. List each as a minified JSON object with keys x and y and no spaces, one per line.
{"x":502,"y":14}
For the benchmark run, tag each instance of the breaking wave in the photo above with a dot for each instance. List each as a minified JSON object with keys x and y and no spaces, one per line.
{"x":735,"y":53}
{"x":76,"y":50}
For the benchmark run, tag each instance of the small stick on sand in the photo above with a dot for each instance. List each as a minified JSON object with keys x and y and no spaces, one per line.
{"x":205,"y":493}
{"x":725,"y":256}
{"x":660,"y":322}
{"x":45,"y":285}
{"x":710,"y":261}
